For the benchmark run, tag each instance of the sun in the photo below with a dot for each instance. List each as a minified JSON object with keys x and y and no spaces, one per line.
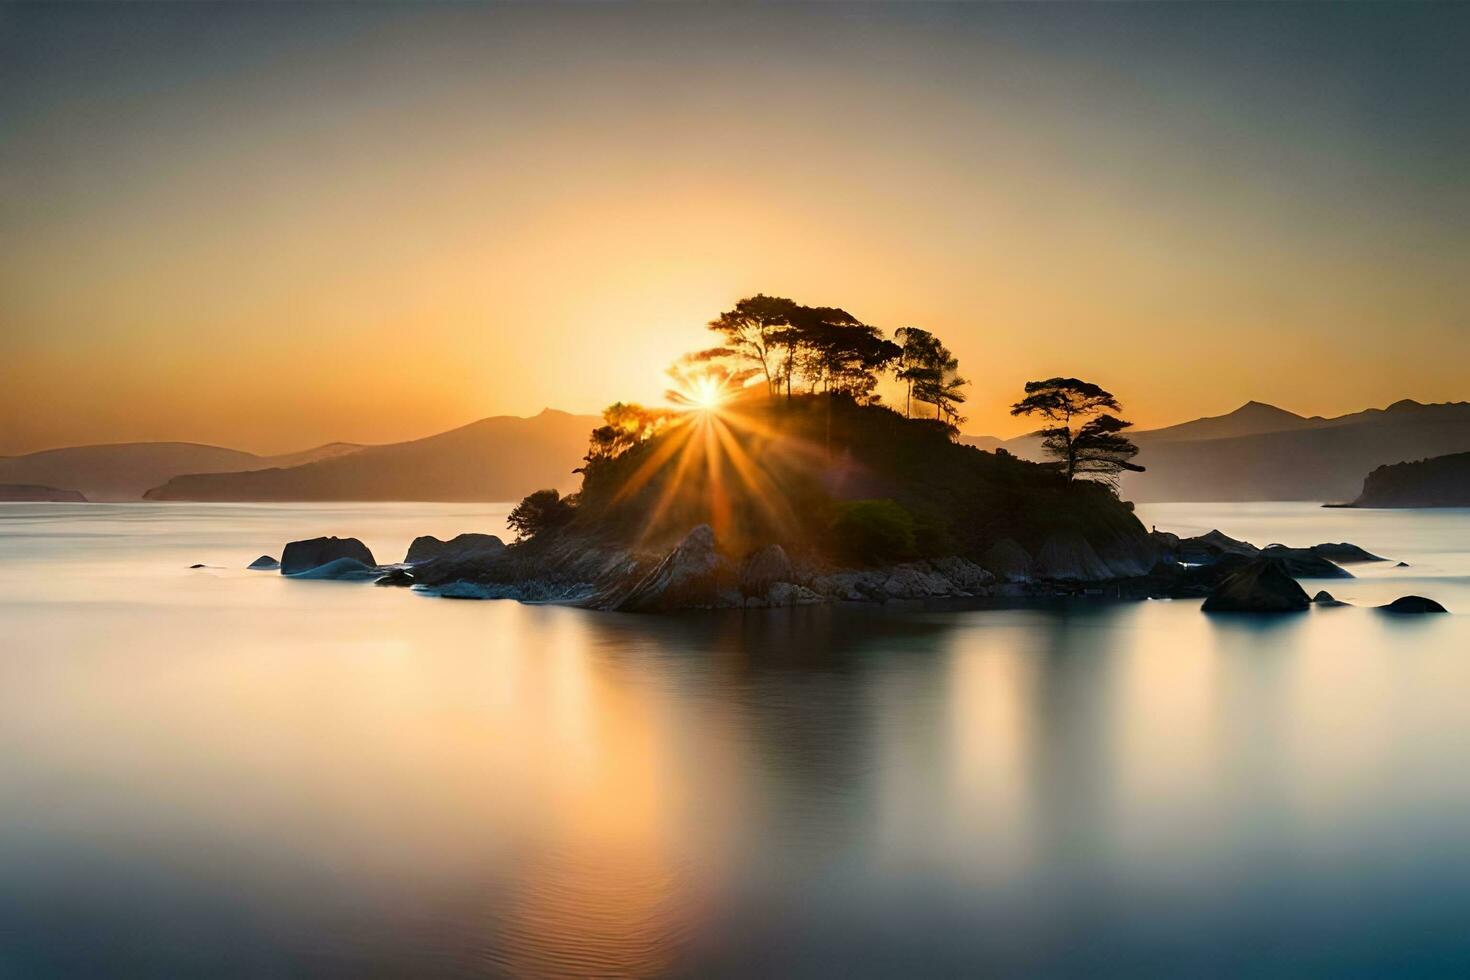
{"x":706,"y":393}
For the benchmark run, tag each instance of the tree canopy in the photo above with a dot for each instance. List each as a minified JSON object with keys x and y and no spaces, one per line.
{"x":1097,"y":447}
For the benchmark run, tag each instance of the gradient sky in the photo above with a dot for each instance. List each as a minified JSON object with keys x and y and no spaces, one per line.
{"x":273,"y":226}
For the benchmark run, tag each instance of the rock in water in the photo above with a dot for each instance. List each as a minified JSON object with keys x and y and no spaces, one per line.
{"x":346,"y":569}
{"x":1343,"y":551}
{"x":1260,"y":586}
{"x":264,"y":563}
{"x":764,"y":568}
{"x":1212,"y":546}
{"x":300,"y":556}
{"x":1325,"y":598}
{"x":397,"y":576}
{"x":467,"y":545}
{"x":1413,"y":604}
{"x":692,"y":575}
{"x":1304,"y":563}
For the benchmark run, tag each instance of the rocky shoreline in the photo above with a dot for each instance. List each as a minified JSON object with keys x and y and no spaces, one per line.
{"x":1231,"y":575}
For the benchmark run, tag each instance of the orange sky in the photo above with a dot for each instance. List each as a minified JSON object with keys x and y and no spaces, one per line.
{"x":273,"y":227}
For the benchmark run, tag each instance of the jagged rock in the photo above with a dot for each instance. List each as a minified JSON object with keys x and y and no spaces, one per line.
{"x":1342,"y":551}
{"x":1166,"y":541}
{"x":347,"y":569}
{"x":850,"y":586}
{"x":265,"y":563}
{"x":913,"y":582}
{"x":300,"y":556}
{"x":1070,"y":558}
{"x":1402,"y":564}
{"x":396,"y":576}
{"x":462,"y":546}
{"x":1413,"y":604}
{"x":764,"y":568}
{"x":1325,"y":598}
{"x":692,"y":575}
{"x":1261,"y":585}
{"x":1008,"y":561}
{"x":963,"y":574}
{"x":788,"y":594}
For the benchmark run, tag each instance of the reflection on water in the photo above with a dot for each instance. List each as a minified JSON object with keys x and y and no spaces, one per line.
{"x":220,"y":772}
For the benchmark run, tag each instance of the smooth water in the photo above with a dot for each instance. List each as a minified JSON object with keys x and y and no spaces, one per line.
{"x":222,"y":773}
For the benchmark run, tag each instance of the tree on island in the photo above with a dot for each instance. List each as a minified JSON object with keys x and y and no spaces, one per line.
{"x":1097,"y":447}
{"x":543,"y":510}
{"x":931,"y":375}
{"x":757,"y":331}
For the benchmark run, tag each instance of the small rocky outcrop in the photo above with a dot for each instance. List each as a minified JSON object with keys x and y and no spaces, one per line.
{"x":302,"y":556}
{"x":35,"y":493}
{"x":265,"y":563}
{"x":1008,"y":561}
{"x":1413,"y":604}
{"x":342,"y":569}
{"x":400,"y":577}
{"x":693,"y":575}
{"x":1325,"y":598}
{"x":462,"y":546}
{"x":1261,"y":585}
{"x":1213,"y":546}
{"x":1304,"y":562}
{"x":1342,"y":551}
{"x":763,"y":569}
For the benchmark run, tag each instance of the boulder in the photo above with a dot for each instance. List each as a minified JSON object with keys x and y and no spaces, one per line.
{"x":469,"y":545}
{"x":1070,"y":558}
{"x":1325,"y":598}
{"x":851,"y":586}
{"x":265,"y":563}
{"x":787,"y":594}
{"x":300,"y":556}
{"x":397,"y":576}
{"x":1413,"y":604}
{"x":1212,"y":546}
{"x":693,"y":575}
{"x":1261,"y":585}
{"x":1304,"y":563}
{"x":915,"y":582}
{"x":1342,"y":551}
{"x":963,"y":574}
{"x":764,"y":568}
{"x":1008,"y":561}
{"x":345,"y":569}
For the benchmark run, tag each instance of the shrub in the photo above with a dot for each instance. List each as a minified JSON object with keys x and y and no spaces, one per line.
{"x":540,"y":511}
{"x":873,"y":531}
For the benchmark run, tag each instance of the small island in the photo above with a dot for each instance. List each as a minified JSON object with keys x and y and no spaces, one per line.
{"x":35,"y":493}
{"x":778,"y":477}
{"x":1441,"y":481}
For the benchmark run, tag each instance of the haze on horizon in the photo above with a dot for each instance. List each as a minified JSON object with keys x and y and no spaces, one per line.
{"x":273,"y":226}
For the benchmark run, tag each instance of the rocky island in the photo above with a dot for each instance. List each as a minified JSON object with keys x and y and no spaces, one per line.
{"x":1441,"y":481}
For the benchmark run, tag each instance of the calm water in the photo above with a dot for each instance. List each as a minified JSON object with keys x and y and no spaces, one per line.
{"x":221,"y":773}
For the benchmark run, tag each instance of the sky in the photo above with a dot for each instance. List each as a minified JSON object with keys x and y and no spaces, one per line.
{"x":273,"y":226}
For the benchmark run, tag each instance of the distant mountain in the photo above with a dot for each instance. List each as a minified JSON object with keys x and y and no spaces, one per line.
{"x":123,"y":471}
{"x":494,"y":459}
{"x":1261,"y":452}
{"x":28,"y":492}
{"x":1442,"y":481}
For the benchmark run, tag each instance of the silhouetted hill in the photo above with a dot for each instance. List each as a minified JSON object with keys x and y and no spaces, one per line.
{"x":123,"y":471}
{"x":30,"y":493}
{"x":494,"y":459}
{"x":1443,"y":481}
{"x":1260,"y":452}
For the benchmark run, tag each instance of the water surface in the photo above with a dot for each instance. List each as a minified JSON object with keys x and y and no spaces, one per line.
{"x":218,"y":772}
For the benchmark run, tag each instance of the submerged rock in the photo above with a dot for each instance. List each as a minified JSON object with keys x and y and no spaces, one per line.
{"x":1413,"y":604}
{"x":301,"y":556}
{"x":264,"y":563}
{"x":344,"y":569}
{"x":1259,"y":586}
{"x":763,"y":569}
{"x":396,"y":576}
{"x":462,"y":546}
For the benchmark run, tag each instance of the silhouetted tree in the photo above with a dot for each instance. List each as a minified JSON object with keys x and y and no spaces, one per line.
{"x":931,"y":375}
{"x":541,"y":511}
{"x":755,"y":331}
{"x":625,"y":425}
{"x":918,"y":350}
{"x":1097,"y":446}
{"x":837,"y":354}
